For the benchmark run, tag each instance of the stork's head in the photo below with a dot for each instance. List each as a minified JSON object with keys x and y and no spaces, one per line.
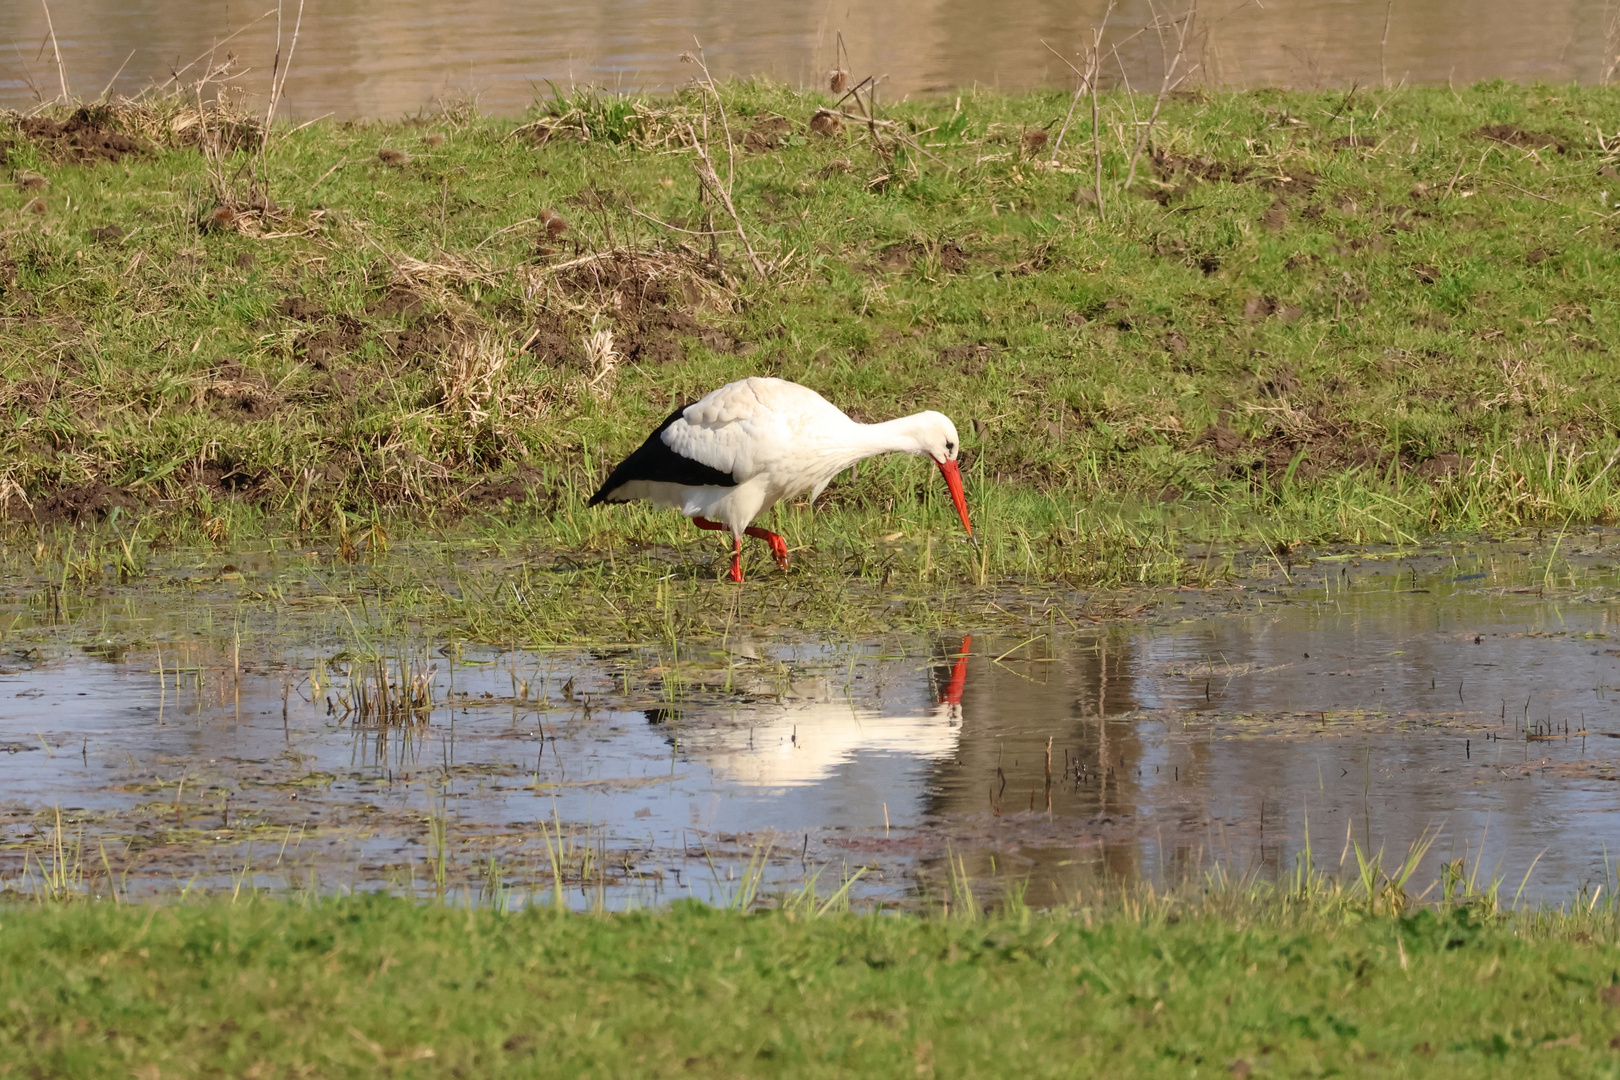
{"x":937,"y":439}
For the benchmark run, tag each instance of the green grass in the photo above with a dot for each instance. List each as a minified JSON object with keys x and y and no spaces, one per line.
{"x":356,"y":986}
{"x":1315,"y":320}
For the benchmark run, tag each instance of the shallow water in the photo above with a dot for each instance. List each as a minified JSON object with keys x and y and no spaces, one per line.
{"x":1465,"y":693}
{"x":387,"y":59}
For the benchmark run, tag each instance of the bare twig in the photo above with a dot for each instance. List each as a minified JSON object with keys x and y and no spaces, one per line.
{"x":1383,"y":43}
{"x":1182,"y":28}
{"x":108,"y":88}
{"x":174,"y":76}
{"x":708,"y":176}
{"x":710,"y":179}
{"x":1088,"y":82}
{"x":278,"y":72}
{"x":1096,"y":120}
{"x":61,"y":71}
{"x":1079,"y":90}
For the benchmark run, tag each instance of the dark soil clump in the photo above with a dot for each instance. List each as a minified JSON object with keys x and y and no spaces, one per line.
{"x":83,"y":137}
{"x":1517,"y":136}
{"x":767,"y":133}
{"x":83,"y":504}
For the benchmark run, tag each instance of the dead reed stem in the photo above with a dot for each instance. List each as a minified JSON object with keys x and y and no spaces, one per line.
{"x":708,"y":176}
{"x":1088,"y":78}
{"x":105,"y":90}
{"x":1611,"y":44}
{"x":1383,"y":44}
{"x":175,"y":76}
{"x":278,"y":72}
{"x":56,"y":53}
{"x":1182,"y":27}
{"x":1096,"y":117}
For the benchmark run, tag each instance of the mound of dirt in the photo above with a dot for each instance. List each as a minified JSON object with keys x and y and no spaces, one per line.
{"x":320,"y":348}
{"x":767,"y":133}
{"x":239,"y":393}
{"x":1517,"y":136}
{"x":395,"y":302}
{"x":555,"y":340}
{"x":516,"y":489}
{"x":83,"y":504}
{"x":84,"y":137}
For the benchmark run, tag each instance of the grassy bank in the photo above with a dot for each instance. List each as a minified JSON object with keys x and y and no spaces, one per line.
{"x":348,"y":987}
{"x":1310,"y":317}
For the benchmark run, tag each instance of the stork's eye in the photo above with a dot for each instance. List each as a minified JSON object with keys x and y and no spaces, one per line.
{"x":950,"y":448}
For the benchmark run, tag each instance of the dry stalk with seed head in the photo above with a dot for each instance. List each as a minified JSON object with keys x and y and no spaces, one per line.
{"x":471,"y":378}
{"x":708,"y":176}
{"x":602,"y":360}
{"x":10,"y":489}
{"x":1611,"y":46}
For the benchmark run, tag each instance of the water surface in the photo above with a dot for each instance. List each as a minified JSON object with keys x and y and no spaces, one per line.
{"x":390,"y":58}
{"x":1464,"y":695}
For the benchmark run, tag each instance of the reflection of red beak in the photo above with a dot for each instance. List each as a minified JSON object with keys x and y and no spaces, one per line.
{"x":953,"y":689}
{"x":953,"y":480}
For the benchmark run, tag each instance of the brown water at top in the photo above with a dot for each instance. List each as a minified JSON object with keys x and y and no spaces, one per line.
{"x":357,"y":58}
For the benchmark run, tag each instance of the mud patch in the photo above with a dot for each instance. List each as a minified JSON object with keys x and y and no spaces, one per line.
{"x":84,"y":138}
{"x":395,"y":302}
{"x":905,"y":255}
{"x":300,"y":308}
{"x":767,"y":133}
{"x":519,"y":488}
{"x":968,"y":359}
{"x":322,"y":347}
{"x":1443,"y":465}
{"x":555,"y":340}
{"x":1510,"y":135}
{"x":83,"y":504}
{"x":651,"y":302}
{"x":238,"y":393}
{"x":1307,"y":453}
{"x":1173,"y":166}
{"x":1258,"y":308}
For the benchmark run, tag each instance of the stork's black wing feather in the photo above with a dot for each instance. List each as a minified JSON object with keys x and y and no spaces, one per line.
{"x":655,"y":461}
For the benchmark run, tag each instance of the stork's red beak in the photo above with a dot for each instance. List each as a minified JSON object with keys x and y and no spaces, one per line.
{"x":953,"y":480}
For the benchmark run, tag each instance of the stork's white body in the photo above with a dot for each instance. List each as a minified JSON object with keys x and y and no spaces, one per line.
{"x":776,"y":438}
{"x":735,"y":453}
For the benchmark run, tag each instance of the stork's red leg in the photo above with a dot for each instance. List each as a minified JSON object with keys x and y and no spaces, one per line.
{"x":778,"y":545}
{"x":953,"y":690}
{"x":736,"y":545}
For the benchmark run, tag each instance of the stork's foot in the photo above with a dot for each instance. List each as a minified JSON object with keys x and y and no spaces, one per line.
{"x":778,"y":545}
{"x":736,"y":545}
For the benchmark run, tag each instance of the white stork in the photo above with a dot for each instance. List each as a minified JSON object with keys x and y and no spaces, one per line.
{"x":728,"y":457}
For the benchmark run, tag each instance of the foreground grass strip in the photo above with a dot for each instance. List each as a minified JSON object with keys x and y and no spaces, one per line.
{"x":347,"y":987}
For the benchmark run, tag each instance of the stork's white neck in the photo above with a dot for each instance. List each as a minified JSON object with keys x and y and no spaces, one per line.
{"x":898,"y":436}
